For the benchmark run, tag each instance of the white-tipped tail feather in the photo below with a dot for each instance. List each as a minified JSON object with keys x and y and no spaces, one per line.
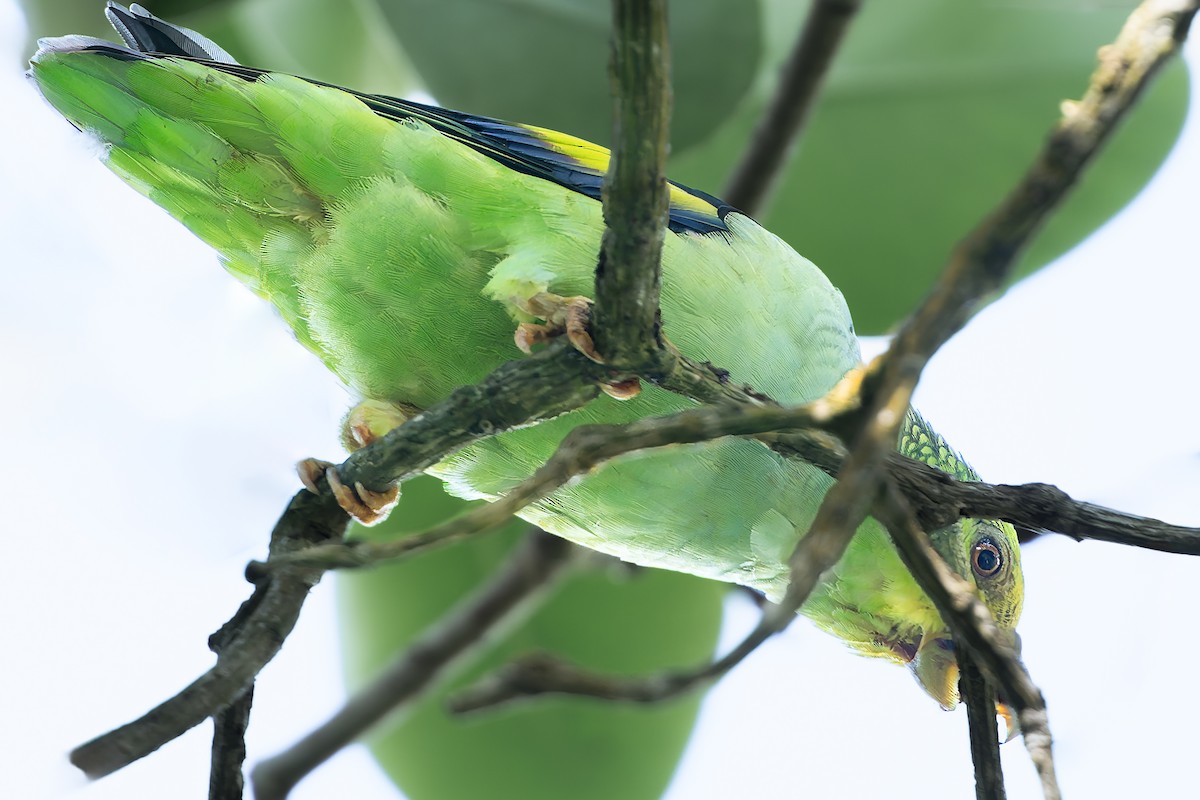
{"x":146,"y":33}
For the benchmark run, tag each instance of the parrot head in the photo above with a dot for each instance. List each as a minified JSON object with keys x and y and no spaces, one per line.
{"x":986,"y":553}
{"x":874,"y":603}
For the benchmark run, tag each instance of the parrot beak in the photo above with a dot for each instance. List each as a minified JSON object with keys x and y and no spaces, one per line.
{"x":936,"y":669}
{"x":1012,"y":725}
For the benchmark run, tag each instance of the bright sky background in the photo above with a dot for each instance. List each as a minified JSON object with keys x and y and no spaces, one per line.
{"x":153,"y":410}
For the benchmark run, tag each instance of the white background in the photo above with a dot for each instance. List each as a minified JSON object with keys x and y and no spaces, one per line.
{"x":152,"y":409}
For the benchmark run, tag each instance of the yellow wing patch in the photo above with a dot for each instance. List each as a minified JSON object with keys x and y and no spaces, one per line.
{"x":594,"y":158}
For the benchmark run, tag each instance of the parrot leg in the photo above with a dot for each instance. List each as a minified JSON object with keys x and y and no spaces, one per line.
{"x":570,"y":316}
{"x":366,"y":422}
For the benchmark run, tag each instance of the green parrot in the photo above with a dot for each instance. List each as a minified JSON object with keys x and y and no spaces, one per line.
{"x":405,"y":244}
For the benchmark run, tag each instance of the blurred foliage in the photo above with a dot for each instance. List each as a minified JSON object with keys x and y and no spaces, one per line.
{"x":58,"y":17}
{"x":345,"y":43}
{"x":617,"y":621}
{"x":543,"y":61}
{"x":932,"y":111}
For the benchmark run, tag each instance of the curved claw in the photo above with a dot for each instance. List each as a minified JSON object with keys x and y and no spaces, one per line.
{"x":530,"y":333}
{"x":576,"y":316}
{"x":310,"y":471}
{"x":567,"y":316}
{"x":622,"y":390}
{"x":364,"y":505}
{"x":563,"y":315}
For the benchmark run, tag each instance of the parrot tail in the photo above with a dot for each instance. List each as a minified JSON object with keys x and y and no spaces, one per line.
{"x":146,"y":33}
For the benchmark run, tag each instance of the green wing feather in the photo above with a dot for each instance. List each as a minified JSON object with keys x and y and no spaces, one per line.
{"x":398,"y":241}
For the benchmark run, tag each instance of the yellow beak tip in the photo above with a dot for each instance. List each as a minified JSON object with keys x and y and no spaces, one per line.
{"x":1011,"y":726}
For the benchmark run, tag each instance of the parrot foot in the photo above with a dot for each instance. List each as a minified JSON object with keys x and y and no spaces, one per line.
{"x":364,"y":505}
{"x":563,"y":315}
{"x":371,"y":420}
{"x":570,"y":316}
{"x":366,"y":422}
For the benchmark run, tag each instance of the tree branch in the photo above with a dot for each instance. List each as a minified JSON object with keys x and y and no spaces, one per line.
{"x":528,"y":574}
{"x":979,"y":265}
{"x":581,"y":451}
{"x":516,"y":394}
{"x":628,"y":276}
{"x":1037,"y":506}
{"x":972,"y":627}
{"x":225,"y":780}
{"x":252,"y":638}
{"x":979,"y":697}
{"x":763,"y":163}
{"x":938,"y":500}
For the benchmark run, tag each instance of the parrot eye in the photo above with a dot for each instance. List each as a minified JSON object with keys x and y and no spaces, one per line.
{"x":986,"y":559}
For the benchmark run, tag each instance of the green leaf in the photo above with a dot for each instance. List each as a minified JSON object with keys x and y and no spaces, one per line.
{"x":552,"y":748}
{"x":932,"y":112}
{"x":543,"y":61}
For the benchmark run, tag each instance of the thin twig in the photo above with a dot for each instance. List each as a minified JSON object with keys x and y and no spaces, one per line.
{"x":979,"y":265}
{"x":582,"y":450}
{"x":979,"y":696}
{"x":775,"y":137}
{"x":255,"y":634}
{"x":1035,"y":506}
{"x":841,"y":512}
{"x":544,"y":674}
{"x":972,"y":627}
{"x":527,"y":575}
{"x":628,"y":276}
